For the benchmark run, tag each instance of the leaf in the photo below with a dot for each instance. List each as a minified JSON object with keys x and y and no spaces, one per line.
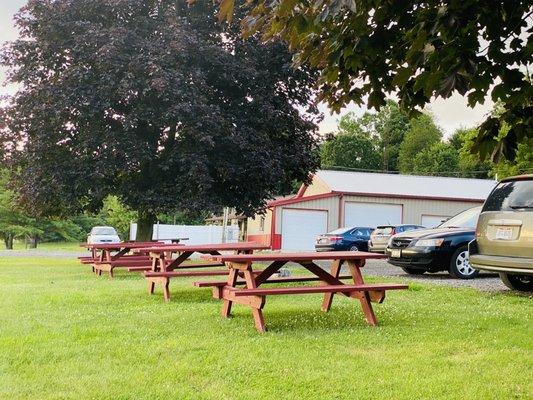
{"x":401,"y":77}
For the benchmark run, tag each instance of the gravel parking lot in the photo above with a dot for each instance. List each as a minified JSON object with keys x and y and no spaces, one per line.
{"x":486,"y":282}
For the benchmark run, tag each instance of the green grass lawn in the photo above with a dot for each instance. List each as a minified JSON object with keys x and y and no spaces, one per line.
{"x":65,"y":333}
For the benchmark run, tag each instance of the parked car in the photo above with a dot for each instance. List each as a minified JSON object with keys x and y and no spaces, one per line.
{"x":504,"y":234}
{"x":103,"y":234}
{"x":353,"y":239}
{"x":381,"y":235}
{"x":437,"y":249}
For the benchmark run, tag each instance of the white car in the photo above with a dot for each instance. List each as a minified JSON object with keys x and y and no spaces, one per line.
{"x":103,"y":234}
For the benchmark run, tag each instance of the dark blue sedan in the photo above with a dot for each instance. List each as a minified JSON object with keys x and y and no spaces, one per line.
{"x":353,"y":239}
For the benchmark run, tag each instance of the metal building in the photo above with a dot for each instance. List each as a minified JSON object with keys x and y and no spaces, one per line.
{"x":336,"y":199}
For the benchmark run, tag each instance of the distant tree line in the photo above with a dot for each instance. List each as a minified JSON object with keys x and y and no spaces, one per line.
{"x":18,"y":224}
{"x":389,"y":141}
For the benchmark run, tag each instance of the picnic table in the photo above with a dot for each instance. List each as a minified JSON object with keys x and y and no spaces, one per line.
{"x":108,"y":256}
{"x":253,"y":296}
{"x":164,"y":267}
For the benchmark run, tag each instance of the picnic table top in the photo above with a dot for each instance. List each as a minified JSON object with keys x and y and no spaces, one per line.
{"x":123,"y":245}
{"x":299,"y":256}
{"x":205,"y":247}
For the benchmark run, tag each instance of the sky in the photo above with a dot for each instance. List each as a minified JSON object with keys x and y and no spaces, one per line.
{"x":449,"y":114}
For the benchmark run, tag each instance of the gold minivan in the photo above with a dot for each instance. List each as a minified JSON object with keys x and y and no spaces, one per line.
{"x":504,"y":233}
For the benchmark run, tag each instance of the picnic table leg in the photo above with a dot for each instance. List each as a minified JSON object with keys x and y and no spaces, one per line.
{"x":328,"y":297}
{"x":232,"y":281}
{"x":256,"y":312}
{"x":151,"y":286}
{"x":366,"y":305}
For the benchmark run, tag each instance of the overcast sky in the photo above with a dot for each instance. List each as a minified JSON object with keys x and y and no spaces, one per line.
{"x":450,"y":114}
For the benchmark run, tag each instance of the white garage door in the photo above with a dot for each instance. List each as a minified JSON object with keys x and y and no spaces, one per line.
{"x":430,"y":221}
{"x":372,"y":214}
{"x":299,"y":228}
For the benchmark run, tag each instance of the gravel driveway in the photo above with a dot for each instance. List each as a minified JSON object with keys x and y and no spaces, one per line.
{"x":486,"y":282}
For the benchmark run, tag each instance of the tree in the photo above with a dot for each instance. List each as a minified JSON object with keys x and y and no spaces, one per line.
{"x":439,"y":159}
{"x":417,"y":49}
{"x":469,"y":164}
{"x":154,"y":102}
{"x":14,"y":222}
{"x":350,"y":147}
{"x":388,"y":126}
{"x":421,"y":136}
{"x":523,"y":163}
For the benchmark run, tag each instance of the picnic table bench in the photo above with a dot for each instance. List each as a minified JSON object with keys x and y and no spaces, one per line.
{"x":108,"y":256}
{"x":164,"y":267}
{"x":254,"y":297}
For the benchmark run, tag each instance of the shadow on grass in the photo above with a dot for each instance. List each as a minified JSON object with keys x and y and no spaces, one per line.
{"x":341,"y":318}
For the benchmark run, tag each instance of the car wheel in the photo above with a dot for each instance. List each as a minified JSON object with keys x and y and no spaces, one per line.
{"x":413,"y":271}
{"x":354,"y":248}
{"x":460,"y":265}
{"x":523,"y":283}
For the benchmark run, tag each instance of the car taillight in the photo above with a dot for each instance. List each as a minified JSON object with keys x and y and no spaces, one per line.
{"x":335,"y":238}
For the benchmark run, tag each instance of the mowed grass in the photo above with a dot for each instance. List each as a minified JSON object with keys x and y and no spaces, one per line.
{"x":66,"y":334}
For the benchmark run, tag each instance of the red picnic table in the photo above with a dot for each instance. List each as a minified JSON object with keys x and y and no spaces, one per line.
{"x":254,"y":297}
{"x":164,"y":267}
{"x":107,"y":256}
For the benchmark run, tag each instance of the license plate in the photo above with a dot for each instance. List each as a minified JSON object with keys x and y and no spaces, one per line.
{"x":504,"y":233}
{"x":396,"y":253}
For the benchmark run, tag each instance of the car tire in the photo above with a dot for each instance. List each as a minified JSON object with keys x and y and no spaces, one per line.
{"x":413,"y":271}
{"x":460,"y":265}
{"x":522,"y":283}
{"x":353,"y":247}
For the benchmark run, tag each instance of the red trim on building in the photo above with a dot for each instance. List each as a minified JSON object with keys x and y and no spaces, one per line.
{"x":301,"y":191}
{"x":283,"y":202}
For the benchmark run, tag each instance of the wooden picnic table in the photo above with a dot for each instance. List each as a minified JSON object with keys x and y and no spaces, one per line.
{"x":164,"y":267}
{"x":252,"y":296}
{"x":107,"y":256}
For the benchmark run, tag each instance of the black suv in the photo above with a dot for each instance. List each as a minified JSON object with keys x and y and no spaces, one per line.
{"x":444,"y":248}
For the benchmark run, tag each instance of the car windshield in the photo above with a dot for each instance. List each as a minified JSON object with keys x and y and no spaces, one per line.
{"x":466,"y":219}
{"x":103,"y":231}
{"x":508,"y":196}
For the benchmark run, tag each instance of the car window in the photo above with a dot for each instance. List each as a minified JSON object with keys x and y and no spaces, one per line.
{"x":508,"y":196}
{"x":466,"y":219}
{"x":103,"y":231}
{"x":384,"y":230}
{"x":339,"y":231}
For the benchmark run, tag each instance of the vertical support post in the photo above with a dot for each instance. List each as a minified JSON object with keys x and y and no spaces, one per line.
{"x":328,"y":297}
{"x":365,"y":298}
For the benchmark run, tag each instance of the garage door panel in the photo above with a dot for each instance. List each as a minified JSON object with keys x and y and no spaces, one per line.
{"x":372,"y":214}
{"x":299,"y":228}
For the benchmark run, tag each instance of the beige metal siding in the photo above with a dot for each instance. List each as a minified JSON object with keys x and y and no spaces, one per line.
{"x":329,"y":204}
{"x":254,"y":224}
{"x":413,"y":209}
{"x":316,"y":187}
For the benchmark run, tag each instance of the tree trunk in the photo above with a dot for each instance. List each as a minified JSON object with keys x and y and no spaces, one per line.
{"x":33,"y":242}
{"x":145,"y":226}
{"x":8,"y":240}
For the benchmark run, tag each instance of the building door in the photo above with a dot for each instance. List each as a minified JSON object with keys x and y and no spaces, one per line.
{"x":299,"y":228}
{"x":372,"y":214}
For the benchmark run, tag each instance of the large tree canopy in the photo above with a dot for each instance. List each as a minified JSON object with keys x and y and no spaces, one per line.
{"x":155,"y":102}
{"x":367,"y":49}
